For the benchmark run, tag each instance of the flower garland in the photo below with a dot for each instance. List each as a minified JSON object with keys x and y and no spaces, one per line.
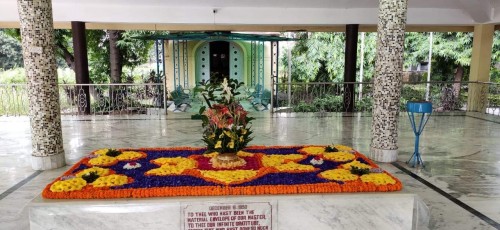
{"x":181,"y":171}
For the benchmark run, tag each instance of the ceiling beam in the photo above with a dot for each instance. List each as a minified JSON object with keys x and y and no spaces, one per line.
{"x":479,"y":10}
{"x":241,"y":28}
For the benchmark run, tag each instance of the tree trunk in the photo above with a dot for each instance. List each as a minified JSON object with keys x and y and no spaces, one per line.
{"x":450,"y":96}
{"x":458,"y":77}
{"x":115,"y":56}
{"x":67,"y":56}
{"x":115,"y":65}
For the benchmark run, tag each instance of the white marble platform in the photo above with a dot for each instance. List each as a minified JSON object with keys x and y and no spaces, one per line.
{"x":289,"y":212}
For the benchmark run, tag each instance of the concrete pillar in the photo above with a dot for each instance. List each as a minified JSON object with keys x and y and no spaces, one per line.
{"x":81,"y":66}
{"x":388,"y":77}
{"x":37,"y":34}
{"x":351,"y":54}
{"x":480,"y":67}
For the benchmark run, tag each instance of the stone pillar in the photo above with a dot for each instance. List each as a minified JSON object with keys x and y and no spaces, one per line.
{"x":387,"y":83}
{"x":37,"y":34}
{"x":351,"y":54}
{"x":81,"y":66}
{"x":480,"y":67}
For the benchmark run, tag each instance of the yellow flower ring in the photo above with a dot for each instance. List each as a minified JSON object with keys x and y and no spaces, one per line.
{"x":357,"y":164}
{"x":378,"y":179}
{"x":73,"y":184}
{"x":171,"y":166}
{"x":313,"y":150}
{"x":339,"y":156}
{"x":338,"y":175}
{"x":287,"y":163}
{"x":98,"y":170}
{"x":228,"y":177}
{"x":103,"y":160}
{"x":111,"y":180}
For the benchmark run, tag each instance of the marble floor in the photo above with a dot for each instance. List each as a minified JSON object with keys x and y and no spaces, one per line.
{"x":460,"y":183}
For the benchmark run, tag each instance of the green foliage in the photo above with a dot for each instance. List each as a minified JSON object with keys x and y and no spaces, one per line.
{"x":331,"y":149}
{"x":214,"y":91}
{"x":319,"y":57}
{"x":13,"y":76}
{"x":90,"y":177}
{"x":359,"y":171}
{"x":113,"y":153}
{"x":10,"y":52}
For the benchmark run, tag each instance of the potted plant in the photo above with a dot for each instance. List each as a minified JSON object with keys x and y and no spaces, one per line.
{"x":225,"y":123}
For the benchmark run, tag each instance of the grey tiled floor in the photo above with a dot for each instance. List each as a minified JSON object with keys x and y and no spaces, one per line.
{"x":462,"y":155}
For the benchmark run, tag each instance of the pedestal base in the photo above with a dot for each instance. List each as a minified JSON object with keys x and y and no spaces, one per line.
{"x":383,"y":155}
{"x":287,"y":212}
{"x":48,"y":162}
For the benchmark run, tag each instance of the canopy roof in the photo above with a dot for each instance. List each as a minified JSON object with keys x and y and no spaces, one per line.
{"x":252,"y":15}
{"x":215,"y":36}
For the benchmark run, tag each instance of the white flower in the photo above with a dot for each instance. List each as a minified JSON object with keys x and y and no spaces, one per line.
{"x":226,"y":90}
{"x":131,"y":165}
{"x":315,"y":161}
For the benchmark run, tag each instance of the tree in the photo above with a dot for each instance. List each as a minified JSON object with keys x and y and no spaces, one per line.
{"x":451,"y":58}
{"x":127,"y":51}
{"x":315,"y":50}
{"x":10,"y":52}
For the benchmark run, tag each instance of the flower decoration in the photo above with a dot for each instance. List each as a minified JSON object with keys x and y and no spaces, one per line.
{"x":338,"y":175}
{"x":356,"y":164}
{"x":132,"y":165}
{"x":109,"y":157}
{"x":184,"y":171}
{"x":225,"y":122}
{"x":339,"y":156}
{"x":96,"y":177}
{"x":317,"y":161}
{"x":378,"y":179}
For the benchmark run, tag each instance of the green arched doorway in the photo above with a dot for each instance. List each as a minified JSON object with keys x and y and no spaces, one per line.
{"x":219,"y":59}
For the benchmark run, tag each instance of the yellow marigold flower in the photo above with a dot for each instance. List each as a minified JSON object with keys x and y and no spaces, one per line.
{"x":212,"y":136}
{"x":129,"y":155}
{"x":275,"y":160}
{"x":338,"y":175}
{"x":171,"y":166}
{"x":356,"y":164}
{"x":101,"y":151}
{"x":230,"y":144}
{"x":210,"y":155}
{"x":218,"y":144}
{"x":241,"y":139}
{"x":111,"y":180}
{"x":339,"y":156}
{"x":102,"y":160}
{"x":243,"y":131}
{"x":244,"y":154}
{"x":98,"y":170}
{"x":73,"y":184}
{"x":293,"y":166}
{"x":313,"y":150}
{"x":229,"y":176}
{"x":343,"y":148}
{"x":378,"y":178}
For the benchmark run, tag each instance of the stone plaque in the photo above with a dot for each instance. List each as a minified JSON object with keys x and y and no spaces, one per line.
{"x":227,"y":216}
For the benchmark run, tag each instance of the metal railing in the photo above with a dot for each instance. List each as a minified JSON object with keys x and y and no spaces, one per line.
{"x":117,"y":99}
{"x":89,"y":99}
{"x":329,"y":96}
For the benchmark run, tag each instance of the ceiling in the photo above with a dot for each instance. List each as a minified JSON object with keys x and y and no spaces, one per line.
{"x":261,"y":12}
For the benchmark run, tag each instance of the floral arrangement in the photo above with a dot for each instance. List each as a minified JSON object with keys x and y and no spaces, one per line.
{"x":225,"y":121}
{"x":185,"y":171}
